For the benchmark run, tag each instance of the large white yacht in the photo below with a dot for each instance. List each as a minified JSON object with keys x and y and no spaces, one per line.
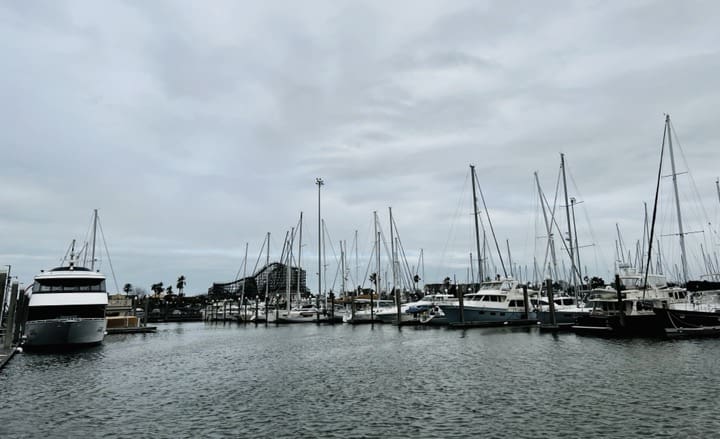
{"x":67,"y":307}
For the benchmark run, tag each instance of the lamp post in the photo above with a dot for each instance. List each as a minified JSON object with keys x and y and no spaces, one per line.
{"x":319,"y":182}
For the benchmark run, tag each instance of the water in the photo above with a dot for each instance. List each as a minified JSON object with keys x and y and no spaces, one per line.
{"x":210,"y":380}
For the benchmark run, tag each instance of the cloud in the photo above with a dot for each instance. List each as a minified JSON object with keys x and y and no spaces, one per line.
{"x":197,"y":129}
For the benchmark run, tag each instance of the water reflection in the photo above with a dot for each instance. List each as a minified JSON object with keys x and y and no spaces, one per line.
{"x":197,"y":379}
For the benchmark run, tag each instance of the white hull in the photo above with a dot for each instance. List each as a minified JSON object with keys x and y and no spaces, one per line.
{"x":64,"y":332}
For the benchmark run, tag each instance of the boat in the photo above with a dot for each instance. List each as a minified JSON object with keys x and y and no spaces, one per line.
{"x":423,"y":311}
{"x":305,"y":313}
{"x":567,"y":310}
{"x":629,"y":311}
{"x":366,"y":310}
{"x":66,"y":308}
{"x":495,"y":303}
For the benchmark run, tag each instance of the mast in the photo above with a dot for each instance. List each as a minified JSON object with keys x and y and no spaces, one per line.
{"x":319,"y":182}
{"x":477,"y":229}
{"x":288,"y":270}
{"x":95,"y":219}
{"x":299,"y":267}
{"x":377,"y":274}
{"x":357,"y":263}
{"x":567,"y":214}
{"x":267,"y":273}
{"x":512,"y":274}
{"x":683,"y":258}
{"x":242,"y":294}
{"x":392,"y":251}
{"x":577,"y":244}
{"x":342,"y":267}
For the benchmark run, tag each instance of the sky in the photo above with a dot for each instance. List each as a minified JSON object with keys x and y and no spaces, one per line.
{"x":196,"y":128}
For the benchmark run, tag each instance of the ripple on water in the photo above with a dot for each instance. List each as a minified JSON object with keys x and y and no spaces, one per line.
{"x":196,"y":379}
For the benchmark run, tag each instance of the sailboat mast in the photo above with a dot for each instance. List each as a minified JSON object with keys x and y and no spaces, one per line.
{"x":319,"y":182}
{"x":267,"y":271}
{"x":95,"y":219}
{"x":683,"y":258}
{"x":377,"y":273}
{"x":477,"y":229}
{"x":577,"y":244}
{"x":567,"y":214}
{"x":342,"y":267}
{"x":392,"y":250}
{"x":288,"y":269}
{"x":299,"y":267}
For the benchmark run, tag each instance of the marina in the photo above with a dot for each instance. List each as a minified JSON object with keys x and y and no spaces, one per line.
{"x":347,"y":381}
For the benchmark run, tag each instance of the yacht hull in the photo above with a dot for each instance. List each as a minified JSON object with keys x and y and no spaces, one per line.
{"x":484,"y":316}
{"x":64,"y":332}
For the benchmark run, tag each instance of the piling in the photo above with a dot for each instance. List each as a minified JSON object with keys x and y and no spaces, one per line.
{"x":397,"y":304}
{"x":9,"y":328}
{"x":21,"y":316}
{"x":621,"y":305}
{"x":526,"y":302}
{"x":332,"y":308}
{"x":461,"y":305}
{"x":551,"y":302}
{"x":145,"y":314}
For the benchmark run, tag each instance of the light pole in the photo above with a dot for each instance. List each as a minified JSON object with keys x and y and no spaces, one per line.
{"x":319,"y":182}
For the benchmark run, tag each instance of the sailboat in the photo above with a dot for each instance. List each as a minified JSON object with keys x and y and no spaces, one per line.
{"x":638,"y":302}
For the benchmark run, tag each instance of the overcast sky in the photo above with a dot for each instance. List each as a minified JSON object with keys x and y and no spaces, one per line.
{"x":196,"y":127}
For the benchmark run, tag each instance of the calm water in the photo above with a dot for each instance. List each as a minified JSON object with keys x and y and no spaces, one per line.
{"x":210,"y":380}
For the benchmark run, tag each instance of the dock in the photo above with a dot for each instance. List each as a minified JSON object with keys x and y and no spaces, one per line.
{"x":520,"y":322}
{"x":132,"y":330}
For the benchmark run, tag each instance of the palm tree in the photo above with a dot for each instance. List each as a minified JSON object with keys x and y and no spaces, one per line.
{"x":157,"y":288}
{"x":127,"y":288}
{"x":181,"y":285}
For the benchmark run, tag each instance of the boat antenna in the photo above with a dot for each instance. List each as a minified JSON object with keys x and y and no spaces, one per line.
{"x":654,"y":215}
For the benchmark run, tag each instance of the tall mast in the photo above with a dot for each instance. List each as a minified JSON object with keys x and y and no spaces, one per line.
{"x":95,"y":219}
{"x":683,"y":258}
{"x":288,"y":269}
{"x":477,"y":229}
{"x":577,"y":244}
{"x":377,"y":273}
{"x":342,"y":267}
{"x":267,"y":270}
{"x":567,"y":214}
{"x":299,"y":267}
{"x":319,"y":182}
{"x":357,"y":263}
{"x":242,"y":295}
{"x":392,"y":250}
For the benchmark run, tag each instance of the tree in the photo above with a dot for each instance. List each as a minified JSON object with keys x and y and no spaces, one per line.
{"x":181,"y":285}
{"x":157,"y":288}
{"x":127,"y":288}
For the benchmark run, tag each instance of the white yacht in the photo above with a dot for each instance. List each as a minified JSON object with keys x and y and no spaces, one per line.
{"x":360,"y":311}
{"x":67,"y":307}
{"x":415,"y":312}
{"x":498,"y":302}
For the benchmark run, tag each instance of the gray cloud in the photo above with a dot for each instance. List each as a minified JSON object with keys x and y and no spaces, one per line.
{"x":195,"y":130}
